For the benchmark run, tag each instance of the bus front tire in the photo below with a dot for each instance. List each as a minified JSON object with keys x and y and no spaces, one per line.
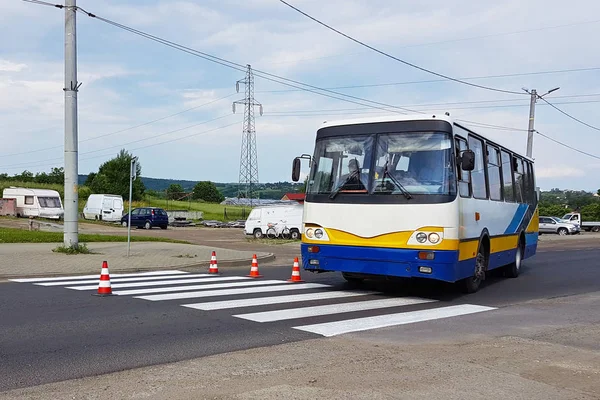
{"x":472,"y":283}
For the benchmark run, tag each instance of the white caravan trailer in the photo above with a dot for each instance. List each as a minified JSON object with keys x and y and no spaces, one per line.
{"x":41,"y":203}
{"x":104,"y":207}
{"x":278,"y":217}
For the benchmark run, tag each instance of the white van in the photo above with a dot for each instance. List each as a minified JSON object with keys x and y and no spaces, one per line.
{"x":104,"y":207}
{"x":41,"y":203}
{"x":259,"y":219}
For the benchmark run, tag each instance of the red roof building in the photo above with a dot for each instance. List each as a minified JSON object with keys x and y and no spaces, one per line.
{"x":299,"y":197}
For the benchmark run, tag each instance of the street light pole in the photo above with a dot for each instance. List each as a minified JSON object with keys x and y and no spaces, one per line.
{"x":530,"y":130}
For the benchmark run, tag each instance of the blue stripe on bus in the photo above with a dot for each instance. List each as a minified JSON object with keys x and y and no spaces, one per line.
{"x":517,"y":218}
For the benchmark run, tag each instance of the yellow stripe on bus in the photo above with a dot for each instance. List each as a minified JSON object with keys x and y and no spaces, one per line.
{"x":468,"y":249}
{"x":394,"y":240}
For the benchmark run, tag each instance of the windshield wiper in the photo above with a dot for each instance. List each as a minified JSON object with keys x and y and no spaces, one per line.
{"x":337,"y":189}
{"x":395,"y":181}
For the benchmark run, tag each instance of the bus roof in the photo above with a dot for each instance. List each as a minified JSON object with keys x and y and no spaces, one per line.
{"x":387,"y":118}
{"x":415,"y":117}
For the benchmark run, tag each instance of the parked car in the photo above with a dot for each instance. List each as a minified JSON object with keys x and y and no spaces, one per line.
{"x":556,"y":225}
{"x":147,"y":217}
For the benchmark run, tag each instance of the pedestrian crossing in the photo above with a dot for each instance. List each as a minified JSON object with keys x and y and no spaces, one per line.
{"x":269,"y":301}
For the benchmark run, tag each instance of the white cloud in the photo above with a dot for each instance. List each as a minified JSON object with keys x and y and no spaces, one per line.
{"x":559,"y":171}
{"x":8,"y":66}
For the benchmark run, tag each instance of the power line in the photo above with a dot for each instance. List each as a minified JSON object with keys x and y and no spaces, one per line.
{"x":239,"y":67}
{"x":451,"y":40}
{"x":445,"y":80}
{"x":396,"y":58}
{"x":120,"y":131}
{"x":44,"y":3}
{"x":142,"y":147}
{"x":124,"y":144}
{"x":567,"y":146}
{"x":568,"y":115}
{"x":309,"y":112}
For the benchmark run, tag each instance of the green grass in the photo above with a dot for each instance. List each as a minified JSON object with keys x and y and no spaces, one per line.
{"x":212,"y":211}
{"x":14,"y":235}
{"x":81,"y":249}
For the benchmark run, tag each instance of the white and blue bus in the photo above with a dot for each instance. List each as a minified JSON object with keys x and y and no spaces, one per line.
{"x":416,"y":197}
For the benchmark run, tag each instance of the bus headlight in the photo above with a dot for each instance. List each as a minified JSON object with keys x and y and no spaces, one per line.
{"x":421,"y":237}
{"x":319,"y":233}
{"x":309,"y":232}
{"x":433,"y":238}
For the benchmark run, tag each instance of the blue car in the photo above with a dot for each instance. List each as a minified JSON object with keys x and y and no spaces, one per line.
{"x":147,"y":217}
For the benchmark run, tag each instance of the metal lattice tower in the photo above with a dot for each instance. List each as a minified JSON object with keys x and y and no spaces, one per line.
{"x":248,"y":157}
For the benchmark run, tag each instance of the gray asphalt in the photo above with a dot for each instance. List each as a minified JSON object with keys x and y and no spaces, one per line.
{"x":49,"y":334}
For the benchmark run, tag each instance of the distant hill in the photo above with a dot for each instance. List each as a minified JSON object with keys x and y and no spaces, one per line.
{"x":266,"y":190}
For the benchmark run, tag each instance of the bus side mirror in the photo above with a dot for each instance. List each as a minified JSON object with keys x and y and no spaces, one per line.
{"x":467,"y":161}
{"x":296,"y":170}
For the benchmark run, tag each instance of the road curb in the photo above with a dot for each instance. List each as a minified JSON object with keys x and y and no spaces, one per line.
{"x":185,"y":267}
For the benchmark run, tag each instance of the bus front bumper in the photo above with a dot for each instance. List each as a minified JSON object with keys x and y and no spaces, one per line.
{"x":405,"y":263}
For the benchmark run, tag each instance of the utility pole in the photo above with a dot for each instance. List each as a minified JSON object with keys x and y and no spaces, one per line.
{"x":71,"y":230}
{"x":531,"y":130}
{"x":531,"y":117}
{"x":248,"y":156}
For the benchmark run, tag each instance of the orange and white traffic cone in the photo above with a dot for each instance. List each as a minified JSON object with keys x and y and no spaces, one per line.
{"x":295,"y":272}
{"x":254,"y":269}
{"x":214,"y":268}
{"x":104,"y":288}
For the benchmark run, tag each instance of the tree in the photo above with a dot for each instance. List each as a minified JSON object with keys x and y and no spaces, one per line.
{"x":57,"y":175}
{"x":598,"y":192}
{"x":89,"y":179}
{"x":207,"y":191}
{"x":175,"y":191}
{"x":303,"y":187}
{"x":113,"y":177}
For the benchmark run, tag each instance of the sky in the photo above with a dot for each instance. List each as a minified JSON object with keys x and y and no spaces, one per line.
{"x":131,"y":87}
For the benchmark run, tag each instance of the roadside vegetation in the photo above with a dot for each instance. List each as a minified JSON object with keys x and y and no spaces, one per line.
{"x":81,"y":249}
{"x":557,"y":203}
{"x":15,"y":235}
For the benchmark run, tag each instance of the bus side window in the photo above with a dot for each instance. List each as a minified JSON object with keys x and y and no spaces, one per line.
{"x":464,"y":177}
{"x":478,"y":179}
{"x":507,"y":177}
{"x":494,"y":173}
{"x":519,"y":184}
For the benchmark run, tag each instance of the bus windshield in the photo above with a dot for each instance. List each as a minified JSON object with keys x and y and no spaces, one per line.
{"x":392,"y":164}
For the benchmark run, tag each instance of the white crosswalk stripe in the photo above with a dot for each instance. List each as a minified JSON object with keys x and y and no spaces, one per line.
{"x":294,"y":313}
{"x":231,"y":292}
{"x":97,"y":276}
{"x":285,"y":304}
{"x":136,"y":279}
{"x":197,"y":287}
{"x":261,"y":301}
{"x":382,"y":321}
{"x":191,"y":279}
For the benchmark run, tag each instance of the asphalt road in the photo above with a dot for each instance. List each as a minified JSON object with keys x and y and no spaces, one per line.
{"x":51,"y":333}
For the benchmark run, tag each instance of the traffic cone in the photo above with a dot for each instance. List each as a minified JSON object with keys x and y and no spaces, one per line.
{"x":214,"y":268}
{"x":104,"y":288}
{"x":295,"y":272}
{"x":254,"y":269}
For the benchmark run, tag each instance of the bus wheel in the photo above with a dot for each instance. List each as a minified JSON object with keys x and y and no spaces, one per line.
{"x":512,"y":270}
{"x":471,"y":284}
